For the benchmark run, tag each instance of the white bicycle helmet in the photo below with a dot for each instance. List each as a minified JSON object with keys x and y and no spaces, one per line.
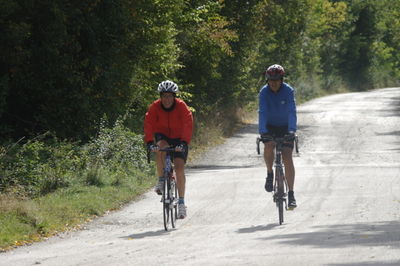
{"x":168,"y":86}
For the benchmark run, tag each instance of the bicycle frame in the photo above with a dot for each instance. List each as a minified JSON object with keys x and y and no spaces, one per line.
{"x":169,"y":197}
{"x":280,"y":185}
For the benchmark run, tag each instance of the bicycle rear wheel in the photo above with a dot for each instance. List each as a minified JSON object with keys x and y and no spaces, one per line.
{"x":281,"y":192}
{"x":166,"y":204}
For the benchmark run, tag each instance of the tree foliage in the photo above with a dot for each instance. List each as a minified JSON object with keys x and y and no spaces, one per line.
{"x":65,"y":65}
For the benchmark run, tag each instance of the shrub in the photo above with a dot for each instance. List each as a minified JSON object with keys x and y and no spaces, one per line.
{"x":41,"y":166}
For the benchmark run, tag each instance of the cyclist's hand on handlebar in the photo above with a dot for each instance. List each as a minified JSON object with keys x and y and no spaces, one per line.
{"x":181,"y":147}
{"x":290,"y":136}
{"x":152,"y":147}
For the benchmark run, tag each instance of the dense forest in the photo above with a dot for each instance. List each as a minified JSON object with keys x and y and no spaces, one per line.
{"x":66,"y":65}
{"x":76,"y":77}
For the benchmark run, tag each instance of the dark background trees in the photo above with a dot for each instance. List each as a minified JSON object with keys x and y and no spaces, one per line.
{"x":65,"y":65}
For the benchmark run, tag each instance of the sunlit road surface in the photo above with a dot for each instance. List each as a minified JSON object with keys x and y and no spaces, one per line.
{"x":347,"y":190}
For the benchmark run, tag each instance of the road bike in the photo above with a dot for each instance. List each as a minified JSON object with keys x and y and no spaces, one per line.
{"x":169,"y":196}
{"x":280,"y":187}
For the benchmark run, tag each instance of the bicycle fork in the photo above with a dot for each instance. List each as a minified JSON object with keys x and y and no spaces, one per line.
{"x":170,"y":200}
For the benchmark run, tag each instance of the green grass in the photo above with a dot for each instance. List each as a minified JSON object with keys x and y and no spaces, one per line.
{"x":25,"y":221}
{"x":14,"y":230}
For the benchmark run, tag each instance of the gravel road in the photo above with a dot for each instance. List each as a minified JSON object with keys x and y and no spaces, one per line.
{"x":347,"y":190}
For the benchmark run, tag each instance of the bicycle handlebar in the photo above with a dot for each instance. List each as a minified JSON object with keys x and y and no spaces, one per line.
{"x":166,"y":149}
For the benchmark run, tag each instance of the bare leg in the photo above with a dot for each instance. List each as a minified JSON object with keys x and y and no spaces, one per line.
{"x":289,"y":166}
{"x":179,"y":165}
{"x":269,"y":155}
{"x":160,"y":158}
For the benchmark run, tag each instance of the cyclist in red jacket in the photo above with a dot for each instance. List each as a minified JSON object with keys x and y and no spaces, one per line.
{"x":169,"y":122}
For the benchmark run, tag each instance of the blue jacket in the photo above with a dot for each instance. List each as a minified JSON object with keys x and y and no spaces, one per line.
{"x":277,"y":108}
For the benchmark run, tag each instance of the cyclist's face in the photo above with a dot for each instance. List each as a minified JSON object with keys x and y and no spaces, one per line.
{"x":275,"y":84}
{"x":167,"y":99}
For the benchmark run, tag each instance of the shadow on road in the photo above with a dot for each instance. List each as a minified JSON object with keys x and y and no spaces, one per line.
{"x":394,"y":133}
{"x":380,"y":263}
{"x":393,"y":109}
{"x":205,"y":167}
{"x":257,"y":228}
{"x":346,"y":235}
{"x":146,"y":234}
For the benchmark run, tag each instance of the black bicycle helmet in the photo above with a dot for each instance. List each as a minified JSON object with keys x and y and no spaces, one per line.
{"x":275,"y":72}
{"x":168,"y":86}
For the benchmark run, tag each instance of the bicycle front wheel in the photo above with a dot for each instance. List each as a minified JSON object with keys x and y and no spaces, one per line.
{"x":281,"y":192}
{"x":280,"y":205}
{"x":173,"y":206}
{"x":166,"y":204}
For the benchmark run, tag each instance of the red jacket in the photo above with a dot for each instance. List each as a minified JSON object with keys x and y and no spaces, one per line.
{"x":176,"y":123}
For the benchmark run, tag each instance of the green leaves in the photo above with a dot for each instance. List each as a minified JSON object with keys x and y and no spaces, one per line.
{"x":64,"y":65}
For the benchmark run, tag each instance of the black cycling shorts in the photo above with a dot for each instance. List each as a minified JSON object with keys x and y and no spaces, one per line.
{"x":280,"y":132}
{"x":173,"y":142}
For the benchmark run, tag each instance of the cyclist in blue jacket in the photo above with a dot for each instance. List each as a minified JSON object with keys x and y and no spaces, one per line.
{"x":277,"y":117}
